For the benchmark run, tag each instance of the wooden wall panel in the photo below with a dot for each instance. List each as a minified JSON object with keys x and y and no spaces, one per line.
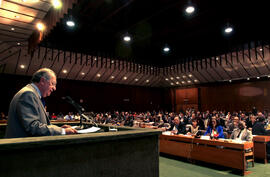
{"x":186,"y":98}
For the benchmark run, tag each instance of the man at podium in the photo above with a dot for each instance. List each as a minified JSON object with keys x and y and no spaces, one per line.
{"x":27,"y":115}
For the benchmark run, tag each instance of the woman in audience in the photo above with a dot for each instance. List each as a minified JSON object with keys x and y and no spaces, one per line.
{"x":214,"y":130}
{"x":194,"y":128}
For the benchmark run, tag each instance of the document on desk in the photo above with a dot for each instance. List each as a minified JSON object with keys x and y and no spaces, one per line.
{"x":89,"y":130}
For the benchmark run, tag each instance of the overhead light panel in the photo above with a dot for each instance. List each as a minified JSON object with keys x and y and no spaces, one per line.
{"x":127,"y":38}
{"x":70,"y":23}
{"x":190,"y":9}
{"x":166,"y":49}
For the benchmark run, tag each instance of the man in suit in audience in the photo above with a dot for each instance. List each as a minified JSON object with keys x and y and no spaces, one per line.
{"x":241,"y":132}
{"x":27,"y":115}
{"x":177,"y":127}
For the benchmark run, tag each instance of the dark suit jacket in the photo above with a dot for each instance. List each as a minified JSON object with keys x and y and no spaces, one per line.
{"x":258,"y":129}
{"x":27,"y":116}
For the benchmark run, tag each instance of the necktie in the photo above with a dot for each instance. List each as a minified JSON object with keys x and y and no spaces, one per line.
{"x":43,"y":101}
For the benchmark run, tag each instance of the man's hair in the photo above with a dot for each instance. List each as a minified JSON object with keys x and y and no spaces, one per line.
{"x":43,"y":72}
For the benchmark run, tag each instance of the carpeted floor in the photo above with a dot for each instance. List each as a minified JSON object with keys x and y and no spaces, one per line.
{"x":170,"y":166}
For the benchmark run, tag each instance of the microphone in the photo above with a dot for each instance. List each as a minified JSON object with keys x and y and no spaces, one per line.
{"x":73,"y":103}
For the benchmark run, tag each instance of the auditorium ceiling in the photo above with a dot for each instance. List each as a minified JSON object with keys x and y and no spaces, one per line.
{"x":198,"y":49}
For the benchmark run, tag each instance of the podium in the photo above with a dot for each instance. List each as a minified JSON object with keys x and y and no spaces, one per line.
{"x":126,"y":153}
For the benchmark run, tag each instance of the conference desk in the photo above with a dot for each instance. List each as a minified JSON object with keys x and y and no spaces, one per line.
{"x":218,"y":152}
{"x":260,"y":147}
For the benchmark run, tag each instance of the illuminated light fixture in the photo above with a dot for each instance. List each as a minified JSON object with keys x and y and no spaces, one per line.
{"x":125,"y":78}
{"x":177,"y":82}
{"x":95,"y":58}
{"x":248,"y":78}
{"x":22,"y":66}
{"x":177,"y":77}
{"x":40,"y":26}
{"x":17,"y":16}
{"x":18,"y":43}
{"x":57,"y":4}
{"x":98,"y":75}
{"x":172,"y":83}
{"x":112,"y":61}
{"x":12,"y":29}
{"x":171,"y":78}
{"x":258,"y":77}
{"x":83,"y":73}
{"x":166,"y":79}
{"x":189,"y":81}
{"x":268,"y":76}
{"x":112,"y":77}
{"x":136,"y":79}
{"x":217,"y":58}
{"x":166,"y":49}
{"x":70,"y":23}
{"x":261,"y":49}
{"x":228,"y":29}
{"x":190,"y":9}
{"x":127,"y":38}
{"x":147,"y":81}
{"x":151,"y":68}
{"x":230,"y":80}
{"x":184,"y":76}
{"x":183,"y":82}
{"x":190,"y":75}
{"x":195,"y":80}
{"x":65,"y":71}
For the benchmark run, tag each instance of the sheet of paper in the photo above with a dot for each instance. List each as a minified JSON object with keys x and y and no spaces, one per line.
{"x":89,"y":130}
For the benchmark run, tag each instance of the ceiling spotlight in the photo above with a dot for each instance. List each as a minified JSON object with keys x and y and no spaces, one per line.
{"x":177,"y":82}
{"x":98,"y":75}
{"x":57,"y":4}
{"x":268,"y":76}
{"x":172,"y":83}
{"x":261,"y":49}
{"x":190,"y":9}
{"x":195,"y":80}
{"x":166,"y":79}
{"x":12,"y":29}
{"x":171,"y":78}
{"x":190,"y":75}
{"x":183,"y":82}
{"x":22,"y":66}
{"x":184,"y":76}
{"x":136,"y":79}
{"x":112,"y":61}
{"x":230,"y":80}
{"x":189,"y":81}
{"x":40,"y":26}
{"x":248,"y":78}
{"x":112,"y":77}
{"x":70,"y":23}
{"x":217,"y":58}
{"x":258,"y":77}
{"x":228,"y":29}
{"x":177,"y":77}
{"x":125,"y":78}
{"x":127,"y":38}
{"x":83,"y":73}
{"x":18,"y":43}
{"x":95,"y":58}
{"x":147,"y":81}
{"x":65,"y":71}
{"x":166,"y":49}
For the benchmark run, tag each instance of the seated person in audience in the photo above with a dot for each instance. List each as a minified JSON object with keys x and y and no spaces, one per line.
{"x":233,"y":125}
{"x":214,"y":130}
{"x":2,"y":116}
{"x":241,"y":133}
{"x":69,"y":116}
{"x":251,"y":122}
{"x":258,"y":128}
{"x":53,"y":116}
{"x":177,"y":127}
{"x":194,"y":128}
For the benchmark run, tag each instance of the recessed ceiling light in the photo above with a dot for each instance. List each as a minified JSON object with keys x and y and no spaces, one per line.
{"x":217,"y":58}
{"x":228,"y":30}
{"x":171,"y":78}
{"x":177,"y":82}
{"x":177,"y":77}
{"x":190,"y":9}
{"x":40,"y":26}
{"x":83,"y":73}
{"x":147,"y":81}
{"x":184,"y":76}
{"x":65,"y":71}
{"x":112,"y":77}
{"x":195,"y":80}
{"x":151,"y":68}
{"x":70,"y":23}
{"x":12,"y":29}
{"x":18,"y":43}
{"x":95,"y":58}
{"x":248,"y":78}
{"x":57,"y":4}
{"x":268,"y":76}
{"x":172,"y":83}
{"x":261,"y":49}
{"x":230,"y":80}
{"x":190,"y":75}
{"x":166,"y":79}
{"x":112,"y":61}
{"x":136,"y":79}
{"x":98,"y":75}
{"x":183,"y":82}
{"x":166,"y":49}
{"x":126,"y":38}
{"x":258,"y":77}
{"x":189,"y":81}
{"x":22,"y":66}
{"x":125,"y":78}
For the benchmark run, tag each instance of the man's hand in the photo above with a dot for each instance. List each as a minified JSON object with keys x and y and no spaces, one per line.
{"x":70,"y":131}
{"x":66,"y":126}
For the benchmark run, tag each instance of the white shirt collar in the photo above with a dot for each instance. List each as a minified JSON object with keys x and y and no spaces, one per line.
{"x":36,"y":88}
